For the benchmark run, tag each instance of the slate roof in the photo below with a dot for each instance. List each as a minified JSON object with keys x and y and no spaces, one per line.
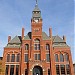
{"x":45,"y":36}
{"x":16,"y":39}
{"x":57,"y":41}
{"x":28,"y":36}
{"x":36,"y":13}
{"x":36,"y":8}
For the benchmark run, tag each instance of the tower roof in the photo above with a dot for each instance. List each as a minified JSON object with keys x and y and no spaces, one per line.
{"x":36,"y":8}
{"x":36,"y":12}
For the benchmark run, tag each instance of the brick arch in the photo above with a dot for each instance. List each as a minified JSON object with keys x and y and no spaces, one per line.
{"x":64,"y":53}
{"x":37,"y":70}
{"x":36,"y":65}
{"x":58,"y":52}
{"x":8,"y":52}
{"x":36,"y":39}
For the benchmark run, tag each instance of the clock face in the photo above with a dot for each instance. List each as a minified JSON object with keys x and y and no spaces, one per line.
{"x":36,"y":21}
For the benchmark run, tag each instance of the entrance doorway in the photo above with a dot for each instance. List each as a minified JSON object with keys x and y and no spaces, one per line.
{"x":37,"y":70}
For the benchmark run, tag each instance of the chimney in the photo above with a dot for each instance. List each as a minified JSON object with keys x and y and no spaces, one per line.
{"x":64,"y":38}
{"x":50,"y":32}
{"x":9,"y":38}
{"x":22,"y":33}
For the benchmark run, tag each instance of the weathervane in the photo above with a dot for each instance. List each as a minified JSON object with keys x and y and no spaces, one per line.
{"x":36,"y":2}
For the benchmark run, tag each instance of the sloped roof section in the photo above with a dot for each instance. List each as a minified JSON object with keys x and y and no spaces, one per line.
{"x":16,"y":39}
{"x":45,"y":36}
{"x":28,"y":36}
{"x":36,"y":8}
{"x":57,"y":39}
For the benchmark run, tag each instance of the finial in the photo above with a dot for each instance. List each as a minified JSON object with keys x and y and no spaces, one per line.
{"x":36,"y":2}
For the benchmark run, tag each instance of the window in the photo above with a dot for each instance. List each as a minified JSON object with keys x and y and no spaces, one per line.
{"x":57,"y":70}
{"x":17,"y":69}
{"x":68,"y":69}
{"x":37,"y":56}
{"x":62,"y":69}
{"x":47,"y":47}
{"x":26,"y":58}
{"x":48,"y":57}
{"x":61,"y":58}
{"x":17,"y":57}
{"x":36,"y":44}
{"x":8,"y":58}
{"x":26,"y":47}
{"x":12,"y":70}
{"x":66,"y":57}
{"x":56,"y":58}
{"x":26,"y":72}
{"x":7,"y":69}
{"x":13,"y":58}
{"x":48,"y":71}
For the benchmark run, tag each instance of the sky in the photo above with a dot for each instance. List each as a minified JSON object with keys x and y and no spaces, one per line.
{"x":58,"y":14}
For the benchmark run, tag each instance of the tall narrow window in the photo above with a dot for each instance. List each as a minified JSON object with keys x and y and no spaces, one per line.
{"x":12,"y":70}
{"x":36,"y":44}
{"x":68,"y":69}
{"x":17,"y":69}
{"x":47,"y":47}
{"x":49,"y":72}
{"x":26,"y":58}
{"x":62,"y":69}
{"x":26,"y":47}
{"x":8,"y":58}
{"x":26,"y":72}
{"x":66,"y":57}
{"x":61,"y":58}
{"x":56,"y":58}
{"x":17,"y":57}
{"x":13,"y":58}
{"x":7,"y":69}
{"x":37,"y":56}
{"x":57,"y":70}
{"x":48,"y":57}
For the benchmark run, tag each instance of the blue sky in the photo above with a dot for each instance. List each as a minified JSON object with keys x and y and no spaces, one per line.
{"x":58,"y":14}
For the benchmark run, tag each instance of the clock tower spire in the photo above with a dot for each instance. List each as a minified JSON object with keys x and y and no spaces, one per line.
{"x":36,"y":13}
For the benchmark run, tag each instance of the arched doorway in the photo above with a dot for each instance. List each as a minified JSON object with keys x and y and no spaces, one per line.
{"x":37,"y":70}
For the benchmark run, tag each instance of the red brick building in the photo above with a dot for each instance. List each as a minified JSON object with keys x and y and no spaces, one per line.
{"x":37,"y":53}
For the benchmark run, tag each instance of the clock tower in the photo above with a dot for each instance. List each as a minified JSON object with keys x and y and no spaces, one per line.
{"x":36,"y":21}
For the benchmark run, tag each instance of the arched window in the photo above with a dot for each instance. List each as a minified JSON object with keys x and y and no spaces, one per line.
{"x":47,"y":47}
{"x":48,"y":57}
{"x":13,"y":58}
{"x":26,"y":47}
{"x":66,"y":57}
{"x":8,"y":58}
{"x":36,"y":44}
{"x":17,"y":57}
{"x":56,"y":58}
{"x":61,"y":57}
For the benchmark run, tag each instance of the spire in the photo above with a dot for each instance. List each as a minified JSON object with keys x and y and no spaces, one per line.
{"x":36,"y":13}
{"x":36,"y":2}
